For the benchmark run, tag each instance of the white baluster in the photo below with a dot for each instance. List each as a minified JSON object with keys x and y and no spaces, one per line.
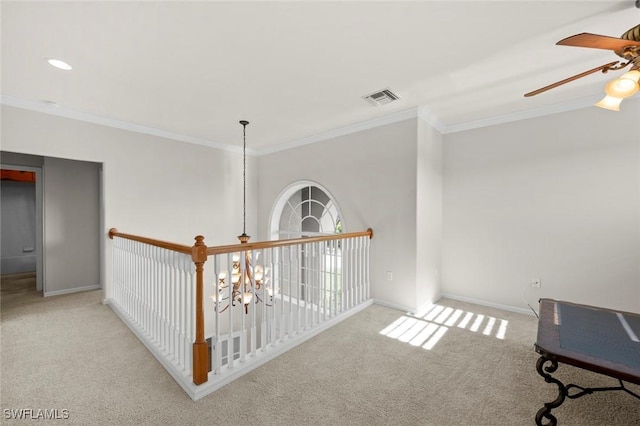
{"x":175,"y":319}
{"x":323,"y":278}
{"x":296,"y":268}
{"x":290,"y":323}
{"x":216,"y":362}
{"x":314,"y":284}
{"x":157,"y":284}
{"x":253,"y":307}
{"x":190,"y":318}
{"x":357,"y":281}
{"x":264,"y":331}
{"x":166,"y":285}
{"x":230,"y":341}
{"x":183,"y":314}
{"x":276,"y":309}
{"x":345,"y":275}
{"x":317,"y":278}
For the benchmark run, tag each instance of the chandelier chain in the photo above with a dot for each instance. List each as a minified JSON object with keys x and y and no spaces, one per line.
{"x":244,"y":176}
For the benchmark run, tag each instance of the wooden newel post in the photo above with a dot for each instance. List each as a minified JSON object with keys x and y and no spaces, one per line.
{"x":200,"y":348}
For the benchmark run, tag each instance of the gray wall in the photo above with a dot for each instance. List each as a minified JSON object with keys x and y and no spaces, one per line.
{"x":18,"y":227}
{"x":71,"y":225}
{"x":20,"y":159}
{"x":555,"y":198}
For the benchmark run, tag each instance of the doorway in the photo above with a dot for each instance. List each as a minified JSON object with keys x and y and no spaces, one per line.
{"x":68,"y":223}
{"x":21,"y":229}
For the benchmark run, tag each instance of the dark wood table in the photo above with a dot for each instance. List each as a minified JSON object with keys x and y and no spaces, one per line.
{"x":601,"y":340}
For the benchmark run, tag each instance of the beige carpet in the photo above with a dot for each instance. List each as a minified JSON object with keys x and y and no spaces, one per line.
{"x":72,"y":353}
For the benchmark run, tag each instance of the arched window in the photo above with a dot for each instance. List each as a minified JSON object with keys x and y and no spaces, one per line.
{"x":305,"y":209}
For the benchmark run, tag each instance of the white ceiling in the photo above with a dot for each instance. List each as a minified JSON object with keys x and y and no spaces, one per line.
{"x":298,"y":69}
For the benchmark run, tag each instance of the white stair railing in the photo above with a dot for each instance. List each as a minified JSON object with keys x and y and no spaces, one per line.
{"x":153,"y":292}
{"x":258,"y":300}
{"x":305,"y":284}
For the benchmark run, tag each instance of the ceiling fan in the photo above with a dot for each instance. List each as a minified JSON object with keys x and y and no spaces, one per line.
{"x":627,"y":47}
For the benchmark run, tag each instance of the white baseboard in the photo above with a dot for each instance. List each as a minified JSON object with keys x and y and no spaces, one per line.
{"x":403,"y":308}
{"x":488,"y":304}
{"x":395,"y":306}
{"x":72,"y":290}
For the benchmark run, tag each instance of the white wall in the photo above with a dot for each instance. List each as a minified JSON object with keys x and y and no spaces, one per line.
{"x":428,"y":214}
{"x":155,"y":187}
{"x":555,"y":198}
{"x":372,"y":175}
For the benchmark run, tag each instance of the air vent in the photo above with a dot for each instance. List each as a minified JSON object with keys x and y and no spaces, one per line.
{"x":381,"y":97}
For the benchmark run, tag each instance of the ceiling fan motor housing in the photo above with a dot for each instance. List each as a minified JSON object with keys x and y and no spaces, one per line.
{"x":631,"y":53}
{"x":632,"y":34}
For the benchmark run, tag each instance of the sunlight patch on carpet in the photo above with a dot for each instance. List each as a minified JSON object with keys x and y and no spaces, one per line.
{"x":426,"y":328}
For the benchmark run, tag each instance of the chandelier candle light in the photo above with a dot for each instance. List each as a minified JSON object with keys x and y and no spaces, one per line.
{"x":247,"y":280}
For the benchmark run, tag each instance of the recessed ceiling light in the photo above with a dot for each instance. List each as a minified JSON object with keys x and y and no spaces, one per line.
{"x":59,"y":64}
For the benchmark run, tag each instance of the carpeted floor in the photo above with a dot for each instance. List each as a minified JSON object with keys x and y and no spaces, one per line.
{"x":72,"y":353}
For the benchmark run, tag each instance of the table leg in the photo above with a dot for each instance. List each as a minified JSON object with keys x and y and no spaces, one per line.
{"x":545,"y":412}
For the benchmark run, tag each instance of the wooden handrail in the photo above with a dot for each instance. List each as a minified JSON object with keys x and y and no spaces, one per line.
{"x":282,"y":243}
{"x":113,"y":232}
{"x":232,"y":248}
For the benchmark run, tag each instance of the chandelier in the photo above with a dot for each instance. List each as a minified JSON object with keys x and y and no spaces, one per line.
{"x":246,"y":280}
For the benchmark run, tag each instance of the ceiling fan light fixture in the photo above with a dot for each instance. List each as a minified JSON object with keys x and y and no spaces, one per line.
{"x":609,"y":102}
{"x":634,"y":75}
{"x":625,"y":86}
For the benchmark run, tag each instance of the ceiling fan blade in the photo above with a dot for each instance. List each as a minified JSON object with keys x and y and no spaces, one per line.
{"x":596,"y":41}
{"x":567,"y":80}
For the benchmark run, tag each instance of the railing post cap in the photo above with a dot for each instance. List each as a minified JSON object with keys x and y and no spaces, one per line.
{"x":112,"y":232}
{"x":370,"y":231}
{"x":199,"y":250}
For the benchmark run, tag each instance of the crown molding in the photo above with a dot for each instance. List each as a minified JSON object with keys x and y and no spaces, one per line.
{"x":61,"y":111}
{"x":526,"y":114}
{"x":342,"y":131}
{"x":429,"y":117}
{"x":425,"y":114}
{"x":421,"y":112}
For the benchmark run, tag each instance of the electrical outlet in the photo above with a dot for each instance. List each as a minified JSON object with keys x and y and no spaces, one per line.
{"x":389,"y":276}
{"x":536,"y":283}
